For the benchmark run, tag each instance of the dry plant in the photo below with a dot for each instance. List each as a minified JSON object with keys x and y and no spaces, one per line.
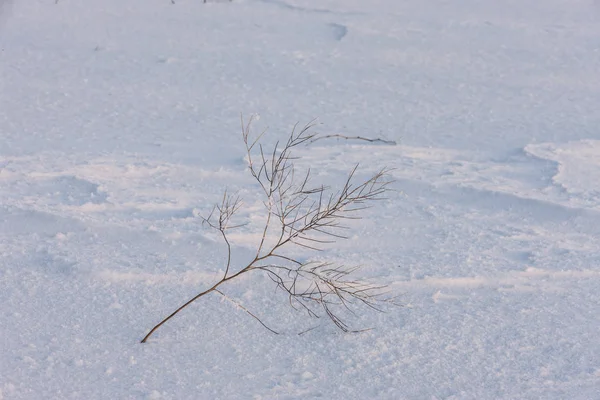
{"x":301,"y":214}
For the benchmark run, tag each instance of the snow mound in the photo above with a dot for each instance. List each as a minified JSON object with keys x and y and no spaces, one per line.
{"x":577,"y":169}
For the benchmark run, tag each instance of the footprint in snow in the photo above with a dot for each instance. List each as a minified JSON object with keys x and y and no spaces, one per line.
{"x":339,"y":31}
{"x":68,"y":190}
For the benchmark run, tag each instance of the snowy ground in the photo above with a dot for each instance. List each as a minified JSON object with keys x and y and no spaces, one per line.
{"x":119,"y":125}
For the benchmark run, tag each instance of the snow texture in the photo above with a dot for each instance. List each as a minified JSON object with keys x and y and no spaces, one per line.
{"x":120,"y":126}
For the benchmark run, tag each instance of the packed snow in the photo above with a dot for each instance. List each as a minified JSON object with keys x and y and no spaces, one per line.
{"x":120,"y":128}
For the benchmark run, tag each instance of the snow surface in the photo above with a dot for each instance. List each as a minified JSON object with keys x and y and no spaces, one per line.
{"x":119,"y":126}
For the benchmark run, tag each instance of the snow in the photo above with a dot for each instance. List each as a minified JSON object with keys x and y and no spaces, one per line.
{"x":120,"y":127}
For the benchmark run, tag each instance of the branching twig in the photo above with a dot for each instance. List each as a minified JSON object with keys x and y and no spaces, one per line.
{"x":304,"y":215}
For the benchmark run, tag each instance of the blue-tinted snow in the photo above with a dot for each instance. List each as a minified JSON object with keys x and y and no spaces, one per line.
{"x":120,"y":125}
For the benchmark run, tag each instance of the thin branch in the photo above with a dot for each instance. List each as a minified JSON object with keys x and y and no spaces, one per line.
{"x":178,"y":310}
{"x":245,"y":309}
{"x":307,"y":330}
{"x":340,"y":136}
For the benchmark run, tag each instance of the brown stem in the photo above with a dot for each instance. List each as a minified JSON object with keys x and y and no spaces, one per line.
{"x":179,"y":309}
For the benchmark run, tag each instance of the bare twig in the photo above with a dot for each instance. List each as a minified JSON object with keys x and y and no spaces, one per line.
{"x":237,"y":304}
{"x":340,"y":136}
{"x":307,"y":330}
{"x":299,"y":214}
